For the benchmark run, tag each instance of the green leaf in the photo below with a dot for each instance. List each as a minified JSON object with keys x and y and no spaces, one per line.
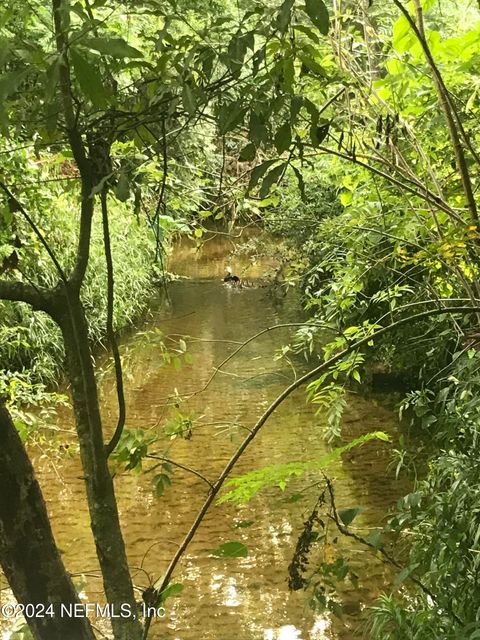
{"x":347,"y":516}
{"x":272,"y":177}
{"x":259,"y":172}
{"x":243,"y":524}
{"x":288,"y":73}
{"x":122,"y":189}
{"x":171,"y":591}
{"x":308,"y":32}
{"x":89,"y":79}
{"x":284,"y":15}
{"x":301,"y":183}
{"x":283,"y":138}
{"x":318,"y":14}
{"x":312,"y":64}
{"x":337,"y":609}
{"x":375,"y":539}
{"x":230,"y":550}
{"x":247,"y":154}
{"x":249,"y":484}
{"x":237,"y":49}
{"x":404,"y":573}
{"x":230,"y":116}
{"x":115,"y":47}
{"x":318,"y":134}
{"x":189,"y":99}
{"x":295,"y":106}
{"x":52,"y":76}
{"x":257,"y":129}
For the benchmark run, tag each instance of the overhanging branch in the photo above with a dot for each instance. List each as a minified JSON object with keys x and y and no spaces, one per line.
{"x":16,"y":291}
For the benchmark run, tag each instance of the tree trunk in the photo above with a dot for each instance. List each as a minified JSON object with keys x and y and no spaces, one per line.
{"x":28,"y":554}
{"x":102,"y":504}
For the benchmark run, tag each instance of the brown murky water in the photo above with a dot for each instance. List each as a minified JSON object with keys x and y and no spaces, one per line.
{"x":244,"y":598}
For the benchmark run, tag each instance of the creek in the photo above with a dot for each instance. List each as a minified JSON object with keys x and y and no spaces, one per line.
{"x":245,"y":598}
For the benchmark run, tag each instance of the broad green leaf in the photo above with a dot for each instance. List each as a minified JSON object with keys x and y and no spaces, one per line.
{"x":257,"y":129}
{"x":347,"y":516}
{"x":230,"y":550}
{"x":295,"y":106}
{"x":189,"y":99}
{"x":283,"y":138}
{"x":230,"y":116}
{"x":52,"y":75}
{"x":288,"y":73}
{"x":375,"y":539}
{"x":247,"y":154}
{"x":171,"y":591}
{"x":237,"y":49}
{"x":89,"y":79}
{"x":301,"y":182}
{"x":259,"y":172}
{"x":312,"y":112}
{"x":312,"y":64}
{"x":403,"y":36}
{"x":284,"y":15}
{"x":271,"y":178}
{"x":319,"y":133}
{"x":404,"y":573}
{"x":122,"y":189}
{"x":115,"y":47}
{"x":337,"y":609}
{"x":310,"y":33}
{"x":318,"y":14}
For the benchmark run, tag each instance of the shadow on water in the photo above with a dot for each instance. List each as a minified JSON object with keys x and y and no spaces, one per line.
{"x":245,"y":598}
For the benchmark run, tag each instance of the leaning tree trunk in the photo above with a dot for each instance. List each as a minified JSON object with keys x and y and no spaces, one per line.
{"x":28,"y":554}
{"x":104,"y":518}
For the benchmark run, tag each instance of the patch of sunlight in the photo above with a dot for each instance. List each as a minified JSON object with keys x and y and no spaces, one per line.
{"x":287,"y":632}
{"x":231,"y":598}
{"x":320,"y":629}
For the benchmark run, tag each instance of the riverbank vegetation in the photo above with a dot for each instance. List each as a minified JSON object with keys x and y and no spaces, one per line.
{"x":350,"y":131}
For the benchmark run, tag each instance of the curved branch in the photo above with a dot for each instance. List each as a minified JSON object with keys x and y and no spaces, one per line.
{"x":110,"y":329}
